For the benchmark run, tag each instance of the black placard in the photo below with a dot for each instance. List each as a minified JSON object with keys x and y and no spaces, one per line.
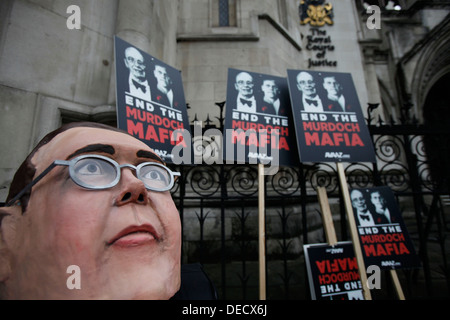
{"x":258,"y":120}
{"x":333,"y":272}
{"x":151,"y":104}
{"x":328,"y":130}
{"x":383,"y":236}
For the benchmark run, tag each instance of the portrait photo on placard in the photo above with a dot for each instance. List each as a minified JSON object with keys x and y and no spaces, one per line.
{"x":329,"y":123}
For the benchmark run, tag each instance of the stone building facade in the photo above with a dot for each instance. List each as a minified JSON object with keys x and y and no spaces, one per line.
{"x":51,"y":74}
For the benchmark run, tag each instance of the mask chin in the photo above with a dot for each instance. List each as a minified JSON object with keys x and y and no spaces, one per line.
{"x":8,"y":221}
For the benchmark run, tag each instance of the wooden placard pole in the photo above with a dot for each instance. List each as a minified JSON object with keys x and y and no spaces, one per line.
{"x":261,"y":233}
{"x":327,"y":218}
{"x":398,"y":287}
{"x":353,"y":231}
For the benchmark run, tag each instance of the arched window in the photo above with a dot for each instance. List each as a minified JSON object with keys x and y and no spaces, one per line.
{"x":437,"y":116}
{"x":224,"y":14}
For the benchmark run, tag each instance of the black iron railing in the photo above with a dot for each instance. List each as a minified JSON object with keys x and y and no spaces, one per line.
{"x":218,"y":207}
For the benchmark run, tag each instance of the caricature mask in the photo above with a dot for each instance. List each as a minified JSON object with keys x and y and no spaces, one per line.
{"x":122,"y":234}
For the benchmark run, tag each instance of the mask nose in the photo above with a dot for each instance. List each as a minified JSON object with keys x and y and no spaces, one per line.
{"x":131,"y":189}
{"x":130,"y":196}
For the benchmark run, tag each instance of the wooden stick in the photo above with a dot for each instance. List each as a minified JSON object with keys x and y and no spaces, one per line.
{"x":398,"y":287}
{"x":327,"y":218}
{"x":353,"y":231}
{"x":261,"y":233}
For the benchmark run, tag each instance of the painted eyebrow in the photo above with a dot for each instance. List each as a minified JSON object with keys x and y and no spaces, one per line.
{"x":106,"y":148}
{"x":149,"y":155}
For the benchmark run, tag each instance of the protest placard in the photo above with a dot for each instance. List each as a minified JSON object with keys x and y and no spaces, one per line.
{"x":383,"y":236}
{"x":333,"y":272}
{"x":151,"y":104}
{"x":258,"y":120}
{"x":329,"y":123}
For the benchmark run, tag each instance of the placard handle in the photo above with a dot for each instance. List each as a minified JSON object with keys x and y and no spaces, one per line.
{"x":353,"y":231}
{"x":261,"y":233}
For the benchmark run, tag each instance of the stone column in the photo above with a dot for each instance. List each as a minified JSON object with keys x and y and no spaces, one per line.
{"x":134,"y":20}
{"x":133,"y":24}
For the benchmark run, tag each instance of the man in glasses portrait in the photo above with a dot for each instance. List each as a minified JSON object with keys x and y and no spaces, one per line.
{"x":245,"y":101}
{"x":137,"y":81}
{"x":311,"y":102}
{"x":93,"y":196}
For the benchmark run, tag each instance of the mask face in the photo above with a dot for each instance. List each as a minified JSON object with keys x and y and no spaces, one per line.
{"x":126,"y":240}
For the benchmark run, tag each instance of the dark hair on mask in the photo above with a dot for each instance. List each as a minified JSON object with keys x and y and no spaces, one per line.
{"x":24,"y":175}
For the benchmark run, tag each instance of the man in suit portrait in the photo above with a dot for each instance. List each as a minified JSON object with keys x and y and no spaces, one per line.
{"x":137,"y":81}
{"x":270,"y":101}
{"x":164,"y":92}
{"x":245,"y":100}
{"x":335,"y":100}
{"x":381,"y":211}
{"x":310,"y":99}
